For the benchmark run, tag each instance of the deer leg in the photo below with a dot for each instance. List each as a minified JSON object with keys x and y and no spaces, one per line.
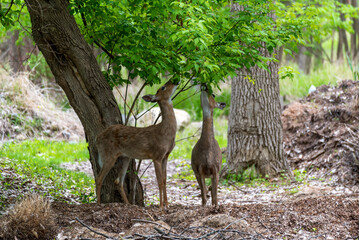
{"x":121,"y":177}
{"x":215,"y":180}
{"x":202,"y":185}
{"x":158,"y":170}
{"x":164,"y":179}
{"x":108,"y":164}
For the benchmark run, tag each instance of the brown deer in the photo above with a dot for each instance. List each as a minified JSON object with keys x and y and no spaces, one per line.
{"x":154,"y":142}
{"x":206,"y":157}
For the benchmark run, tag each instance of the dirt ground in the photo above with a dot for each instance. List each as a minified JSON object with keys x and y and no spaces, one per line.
{"x":321,"y":217}
{"x":320,"y":138}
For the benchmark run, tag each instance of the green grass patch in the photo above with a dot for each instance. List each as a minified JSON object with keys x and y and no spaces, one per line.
{"x":326,"y":74}
{"x":39,"y":162}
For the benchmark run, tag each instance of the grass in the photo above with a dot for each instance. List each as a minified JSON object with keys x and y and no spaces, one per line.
{"x":39,"y":162}
{"x":327,"y":74}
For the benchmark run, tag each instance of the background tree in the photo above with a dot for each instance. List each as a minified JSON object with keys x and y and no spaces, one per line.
{"x":199,"y":41}
{"x":327,"y":21}
{"x":254,"y":125}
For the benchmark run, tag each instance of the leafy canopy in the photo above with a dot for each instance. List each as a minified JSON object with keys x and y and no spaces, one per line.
{"x":319,"y":18}
{"x":195,"y":40}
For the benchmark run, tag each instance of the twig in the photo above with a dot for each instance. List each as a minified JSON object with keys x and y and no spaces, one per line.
{"x":134,"y":101}
{"x":146,"y":169}
{"x":148,"y":221}
{"x":125,"y":103}
{"x":89,"y":228}
{"x":12,"y":2}
{"x":317,"y":236}
{"x":189,"y":136}
{"x":150,"y":215}
{"x":186,"y":97}
{"x":181,"y":90}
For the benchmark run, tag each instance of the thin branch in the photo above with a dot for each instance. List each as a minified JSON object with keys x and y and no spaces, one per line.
{"x":125,"y":103}
{"x":8,"y":10}
{"x":186,"y":98}
{"x":18,"y":19}
{"x":189,"y":136}
{"x":134,"y":102}
{"x":148,"y":221}
{"x":146,"y":168}
{"x":181,"y":90}
{"x":95,"y":41}
{"x":126,"y":93}
{"x":89,"y":228}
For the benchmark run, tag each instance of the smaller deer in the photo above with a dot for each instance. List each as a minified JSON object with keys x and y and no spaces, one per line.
{"x":206,"y":157}
{"x":154,"y":142}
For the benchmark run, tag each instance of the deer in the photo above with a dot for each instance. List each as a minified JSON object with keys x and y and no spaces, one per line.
{"x":153,"y":142}
{"x":206,"y":158}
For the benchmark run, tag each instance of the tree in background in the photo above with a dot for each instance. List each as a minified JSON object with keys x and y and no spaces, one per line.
{"x":255,"y":127}
{"x":195,"y":41}
{"x":328,"y":20}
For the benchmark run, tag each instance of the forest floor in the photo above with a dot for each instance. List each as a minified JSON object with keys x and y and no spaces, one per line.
{"x":321,"y":141}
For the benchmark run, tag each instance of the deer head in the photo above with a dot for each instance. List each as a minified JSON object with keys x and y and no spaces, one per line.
{"x":208,"y":102}
{"x":163,"y":94}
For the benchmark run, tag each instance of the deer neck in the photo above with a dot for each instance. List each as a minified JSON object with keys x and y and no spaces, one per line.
{"x":207,"y":127}
{"x":168,"y":123}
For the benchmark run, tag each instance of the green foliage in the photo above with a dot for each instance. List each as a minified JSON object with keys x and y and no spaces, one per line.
{"x":199,"y":40}
{"x":354,"y":68}
{"x":202,"y":41}
{"x":191,"y":103}
{"x":299,"y":175}
{"x":9,"y":12}
{"x":248,"y":175}
{"x":287,"y":72}
{"x":317,"y":19}
{"x":327,"y":74}
{"x":39,"y":161}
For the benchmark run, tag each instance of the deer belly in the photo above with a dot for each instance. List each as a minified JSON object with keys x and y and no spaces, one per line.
{"x":136,"y":153}
{"x":207,"y":170}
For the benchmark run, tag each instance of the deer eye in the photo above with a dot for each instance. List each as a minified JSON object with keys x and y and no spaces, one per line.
{"x":213,"y":96}
{"x":163,"y":88}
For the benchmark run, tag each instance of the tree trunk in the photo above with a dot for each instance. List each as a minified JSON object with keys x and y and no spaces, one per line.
{"x":354,"y":36}
{"x":304,"y":59}
{"x":255,"y":127}
{"x":76,"y":70}
{"x":343,"y":40}
{"x":15,"y":53}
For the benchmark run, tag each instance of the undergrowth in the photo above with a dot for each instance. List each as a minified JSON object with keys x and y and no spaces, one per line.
{"x":298,"y":86}
{"x":37,"y":163}
{"x":30,"y":218}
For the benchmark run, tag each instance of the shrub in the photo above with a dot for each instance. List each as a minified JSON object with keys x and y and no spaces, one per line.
{"x":31,"y":218}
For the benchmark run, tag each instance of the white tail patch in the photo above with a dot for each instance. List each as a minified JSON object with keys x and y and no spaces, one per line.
{"x":99,"y":161}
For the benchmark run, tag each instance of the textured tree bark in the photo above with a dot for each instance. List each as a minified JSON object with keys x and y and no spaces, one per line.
{"x":255,"y":127}
{"x":76,"y":70}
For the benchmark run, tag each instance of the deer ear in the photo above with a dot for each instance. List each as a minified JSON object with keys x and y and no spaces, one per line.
{"x":149,"y":98}
{"x":221,"y":105}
